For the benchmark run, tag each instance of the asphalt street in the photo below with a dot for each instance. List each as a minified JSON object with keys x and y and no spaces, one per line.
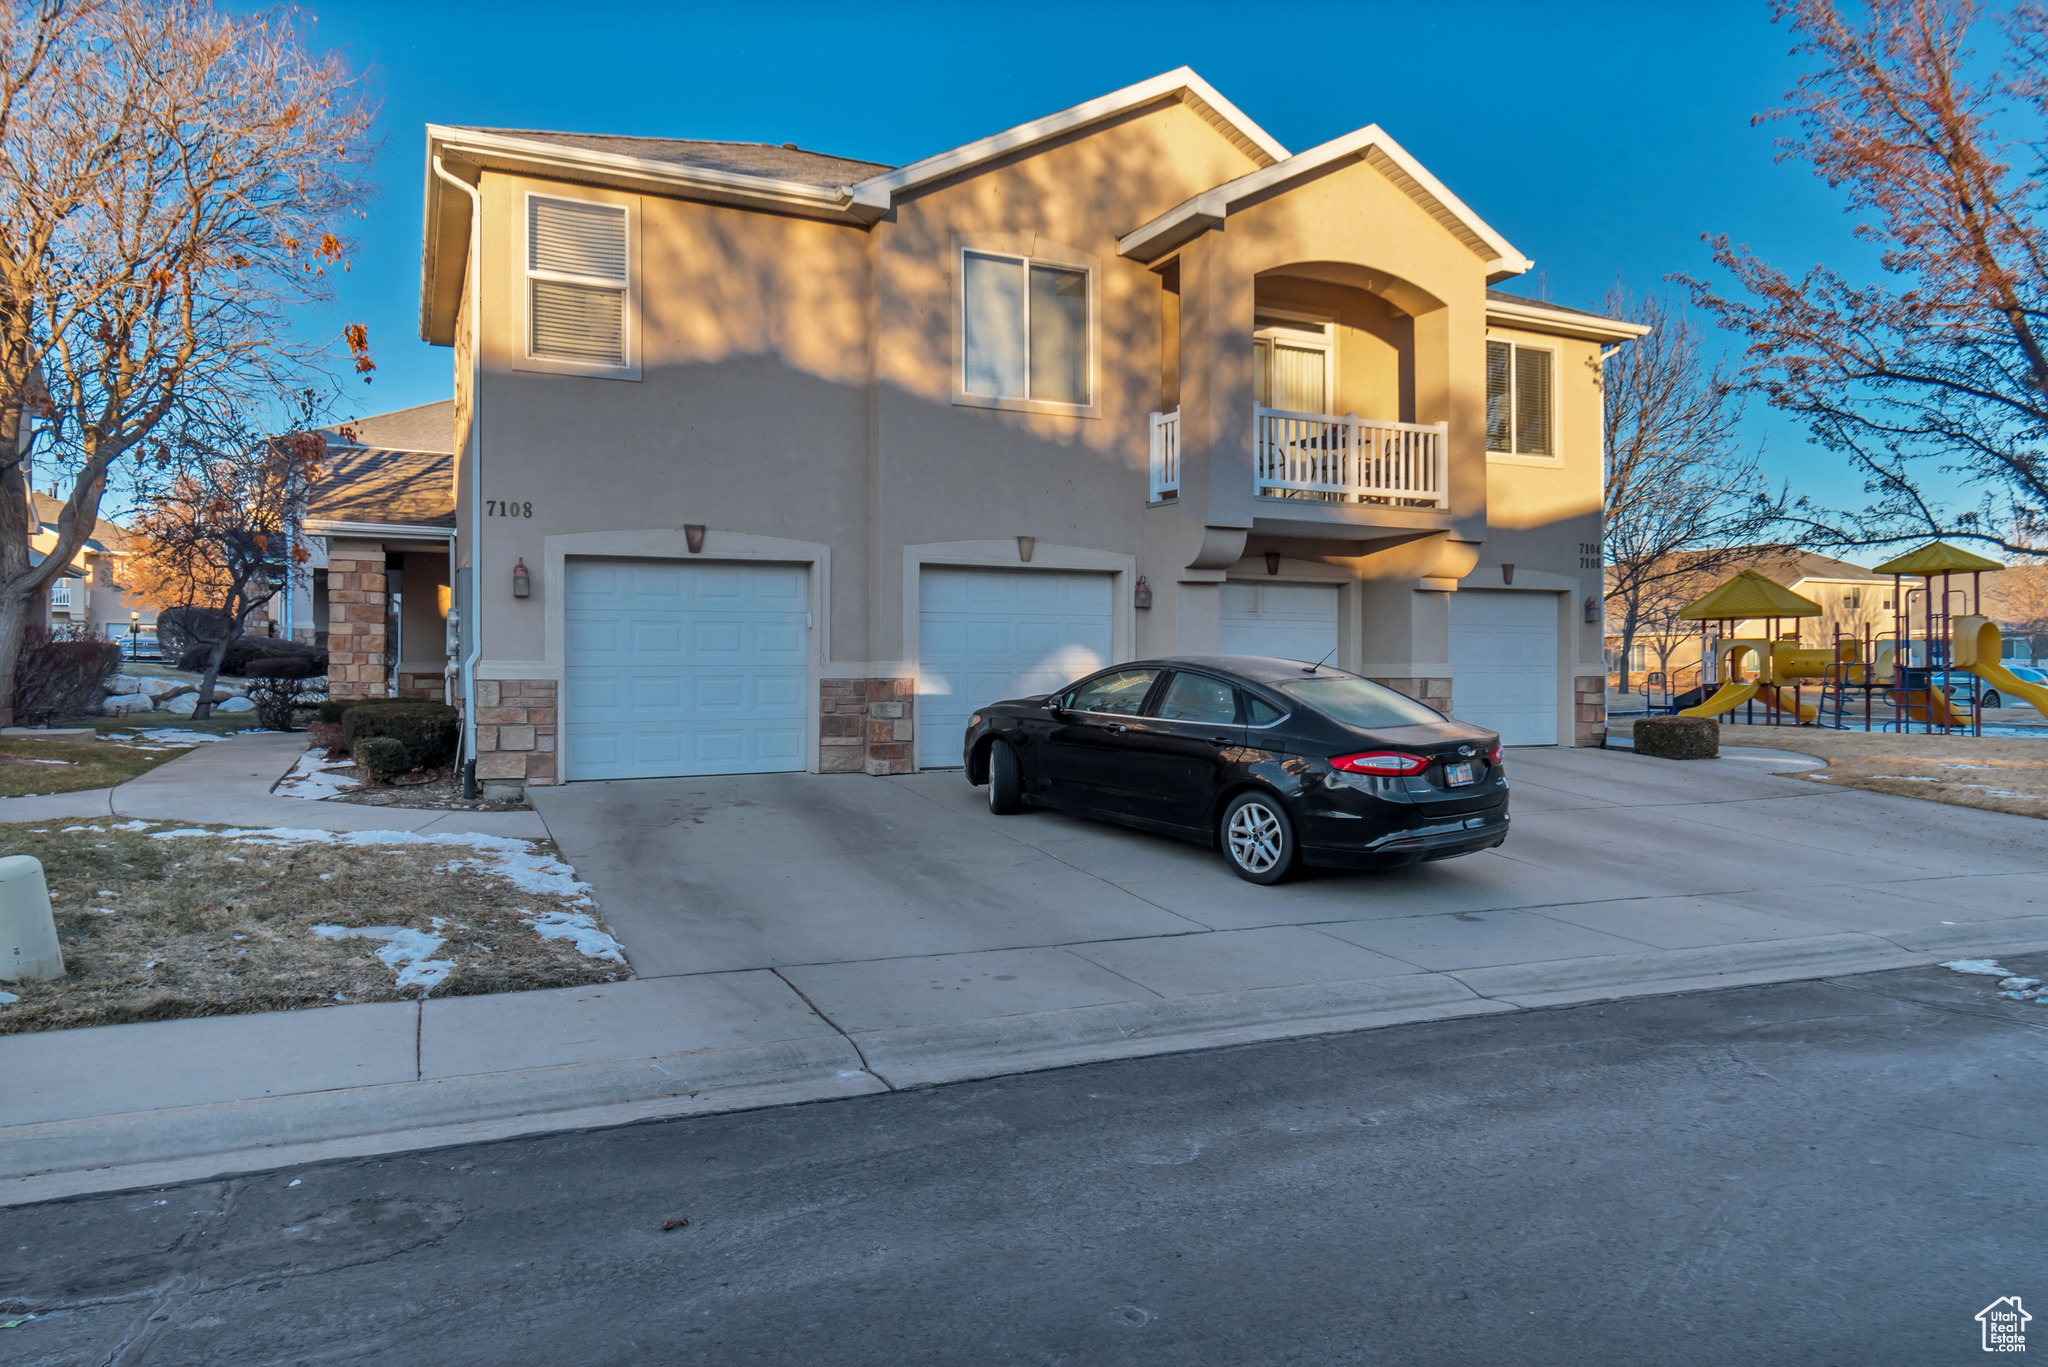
{"x":1841,"y":1171}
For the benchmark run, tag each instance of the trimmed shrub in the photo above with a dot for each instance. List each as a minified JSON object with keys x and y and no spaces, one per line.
{"x":280,"y":667}
{"x":57,"y":679}
{"x":279,"y":699}
{"x":334,"y":709}
{"x":179,"y":629}
{"x":429,"y":731}
{"x":1678,"y":737}
{"x":245,"y":651}
{"x":382,"y":758}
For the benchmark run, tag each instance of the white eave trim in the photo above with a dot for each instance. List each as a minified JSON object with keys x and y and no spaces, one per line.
{"x":396,"y":531}
{"x":1537,"y":317}
{"x":1181,"y":82}
{"x":1371,"y":144}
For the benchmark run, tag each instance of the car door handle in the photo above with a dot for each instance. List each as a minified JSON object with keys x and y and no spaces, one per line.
{"x":1117,"y":727}
{"x":1219,"y":740}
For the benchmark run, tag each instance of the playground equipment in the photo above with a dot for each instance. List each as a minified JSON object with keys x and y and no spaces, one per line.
{"x":1909,"y":667}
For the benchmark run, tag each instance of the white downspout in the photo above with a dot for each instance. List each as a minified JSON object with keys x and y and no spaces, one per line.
{"x":476,"y":474}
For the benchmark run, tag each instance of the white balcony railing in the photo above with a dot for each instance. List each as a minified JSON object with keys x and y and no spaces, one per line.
{"x":60,"y":595}
{"x":1165,"y":455}
{"x":1347,"y":459}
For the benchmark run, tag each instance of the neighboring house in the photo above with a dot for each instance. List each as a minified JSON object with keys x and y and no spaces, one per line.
{"x":804,"y":458}
{"x":88,"y":599}
{"x":378,"y":525}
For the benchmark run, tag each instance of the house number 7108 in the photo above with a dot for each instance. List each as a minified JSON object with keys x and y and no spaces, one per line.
{"x":498,"y":507}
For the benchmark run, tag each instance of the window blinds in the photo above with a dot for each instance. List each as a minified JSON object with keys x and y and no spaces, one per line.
{"x":576,"y":262}
{"x":1532,"y":402}
{"x":1500,"y":398}
{"x":1059,"y":334}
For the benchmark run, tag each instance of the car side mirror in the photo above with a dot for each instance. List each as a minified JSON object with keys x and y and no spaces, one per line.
{"x":1052,"y":705}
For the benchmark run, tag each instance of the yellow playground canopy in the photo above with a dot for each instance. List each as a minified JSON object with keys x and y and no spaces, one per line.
{"x":1749,"y":595}
{"x":1937,"y":557}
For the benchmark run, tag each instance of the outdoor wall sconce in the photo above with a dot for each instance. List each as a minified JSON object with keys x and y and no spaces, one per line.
{"x":1143,"y":596}
{"x":522,"y":582}
{"x":693,"y":536}
{"x":1592,"y":608}
{"x":1025,"y":545}
{"x":1272,"y":562}
{"x":1507,"y":574}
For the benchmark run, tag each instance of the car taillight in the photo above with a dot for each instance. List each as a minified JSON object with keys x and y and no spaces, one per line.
{"x":1380,"y":762}
{"x":1493,"y":755}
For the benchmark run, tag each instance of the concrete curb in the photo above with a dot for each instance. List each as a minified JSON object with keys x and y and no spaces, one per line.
{"x":924,"y":1055}
{"x":408,"y":1114}
{"x":1685,"y":970}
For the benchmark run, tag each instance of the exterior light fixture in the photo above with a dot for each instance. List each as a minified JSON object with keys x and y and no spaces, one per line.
{"x":1507,"y":574}
{"x":522,"y":582}
{"x":1143,"y":596}
{"x":1592,"y":608}
{"x":1272,"y":562}
{"x":1025,"y":545}
{"x":693,"y":535}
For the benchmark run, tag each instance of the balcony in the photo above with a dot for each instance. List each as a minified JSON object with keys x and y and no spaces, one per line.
{"x":1334,"y":458}
{"x":1327,"y":458}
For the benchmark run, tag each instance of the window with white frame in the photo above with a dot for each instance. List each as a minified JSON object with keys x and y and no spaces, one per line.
{"x":1518,"y":400}
{"x":1024,"y":329}
{"x":1291,"y":363}
{"x":576,"y":282}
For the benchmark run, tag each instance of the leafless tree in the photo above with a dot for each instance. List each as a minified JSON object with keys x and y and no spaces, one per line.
{"x":1942,"y":368}
{"x":172,"y":184}
{"x":1684,"y":501}
{"x":219,"y":537}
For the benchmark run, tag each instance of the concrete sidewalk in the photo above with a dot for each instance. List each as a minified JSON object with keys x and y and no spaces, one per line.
{"x":808,"y":936}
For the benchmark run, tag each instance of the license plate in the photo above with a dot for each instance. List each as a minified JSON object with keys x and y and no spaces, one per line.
{"x":1456,"y":774}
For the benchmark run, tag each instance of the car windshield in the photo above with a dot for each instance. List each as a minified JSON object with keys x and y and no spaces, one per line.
{"x":1361,"y":702}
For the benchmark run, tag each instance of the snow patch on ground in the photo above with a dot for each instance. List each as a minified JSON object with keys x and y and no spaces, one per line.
{"x":578,"y":927}
{"x":1987,"y":968}
{"x":313,"y":777}
{"x":409,"y":951}
{"x":161,"y":738}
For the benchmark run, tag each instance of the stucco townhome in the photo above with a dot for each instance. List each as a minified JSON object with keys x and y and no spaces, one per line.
{"x":768,"y":459}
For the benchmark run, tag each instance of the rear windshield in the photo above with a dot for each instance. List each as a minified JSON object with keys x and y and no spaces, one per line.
{"x":1361,"y":702}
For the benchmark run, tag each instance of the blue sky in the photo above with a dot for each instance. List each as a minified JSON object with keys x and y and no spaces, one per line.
{"x":1602,"y":139}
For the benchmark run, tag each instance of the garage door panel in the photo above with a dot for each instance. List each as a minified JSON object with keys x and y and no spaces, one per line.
{"x":679,"y":668}
{"x":1504,"y":663}
{"x":987,"y":635}
{"x":1284,"y":621}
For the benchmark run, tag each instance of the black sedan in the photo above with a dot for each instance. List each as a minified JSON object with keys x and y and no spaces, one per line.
{"x":1277,"y":762}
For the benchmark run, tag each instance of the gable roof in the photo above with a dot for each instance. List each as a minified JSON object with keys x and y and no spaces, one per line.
{"x":1750,"y":595}
{"x":1938,"y":557}
{"x":399,"y":473}
{"x":757,"y":175}
{"x":1370,"y":144}
{"x":107,"y":537}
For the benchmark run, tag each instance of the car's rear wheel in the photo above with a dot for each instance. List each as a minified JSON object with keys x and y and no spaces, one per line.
{"x":1258,"y":838}
{"x":1005,"y":780}
{"x":1991,"y":699}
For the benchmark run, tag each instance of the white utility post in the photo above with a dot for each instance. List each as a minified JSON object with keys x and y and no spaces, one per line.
{"x":28,"y":932}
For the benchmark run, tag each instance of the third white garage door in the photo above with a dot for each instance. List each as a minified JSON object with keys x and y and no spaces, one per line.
{"x":1504,"y":663}
{"x":987,"y":635}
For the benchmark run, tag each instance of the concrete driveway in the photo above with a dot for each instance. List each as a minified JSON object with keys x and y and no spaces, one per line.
{"x":902,"y":904}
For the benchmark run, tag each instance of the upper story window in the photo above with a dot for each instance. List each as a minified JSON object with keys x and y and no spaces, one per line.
{"x":1291,"y":364}
{"x":577,"y":285}
{"x":1025,"y":329}
{"x":1518,"y":407}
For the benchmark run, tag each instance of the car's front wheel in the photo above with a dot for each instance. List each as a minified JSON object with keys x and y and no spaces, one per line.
{"x":1991,"y":699}
{"x":1258,"y":838}
{"x":1005,"y":780}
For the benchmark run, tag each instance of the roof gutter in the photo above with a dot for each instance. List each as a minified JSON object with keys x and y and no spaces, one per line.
{"x":471,"y":608}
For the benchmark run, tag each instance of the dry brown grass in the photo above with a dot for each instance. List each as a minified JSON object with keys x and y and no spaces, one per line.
{"x":156,"y":929}
{"x":1993,"y":773}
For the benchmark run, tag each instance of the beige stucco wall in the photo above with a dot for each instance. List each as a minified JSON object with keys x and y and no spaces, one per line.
{"x":796,"y":394}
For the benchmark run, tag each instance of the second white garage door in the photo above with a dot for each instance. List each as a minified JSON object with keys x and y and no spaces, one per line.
{"x":1286,"y":621}
{"x":1504,"y":663}
{"x":987,"y":635}
{"x":684,"y":667}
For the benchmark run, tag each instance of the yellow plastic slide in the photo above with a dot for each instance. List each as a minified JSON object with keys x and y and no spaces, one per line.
{"x":1979,"y":649}
{"x":1733,"y":695}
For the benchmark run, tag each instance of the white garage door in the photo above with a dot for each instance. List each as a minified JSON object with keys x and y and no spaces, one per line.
{"x":987,"y":635}
{"x":684,"y":667}
{"x":1504,"y":663}
{"x":1287,"y":621}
